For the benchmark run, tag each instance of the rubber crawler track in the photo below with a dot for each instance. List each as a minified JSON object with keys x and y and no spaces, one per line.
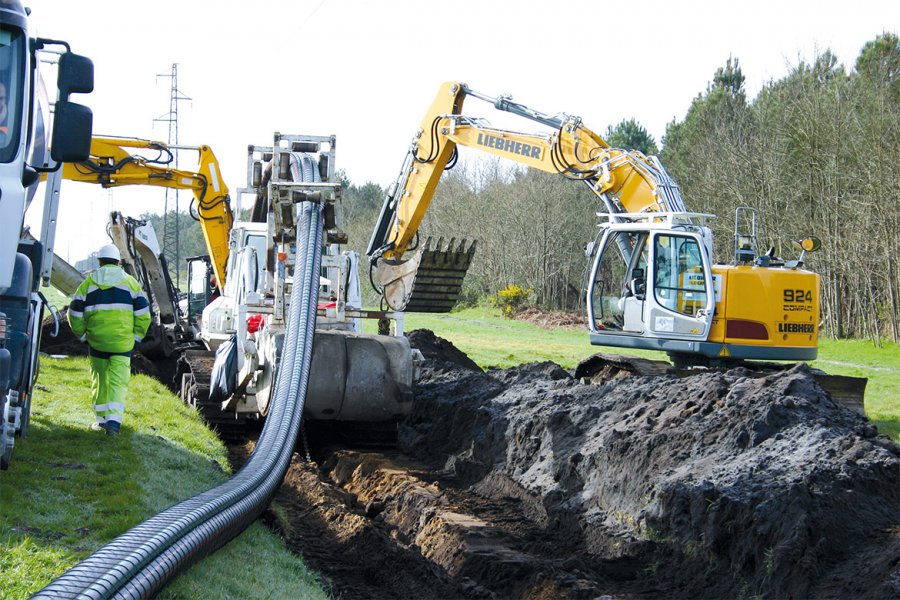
{"x":140,"y":562}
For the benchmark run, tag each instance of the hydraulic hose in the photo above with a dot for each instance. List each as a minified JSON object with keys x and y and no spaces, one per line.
{"x":138,"y":563}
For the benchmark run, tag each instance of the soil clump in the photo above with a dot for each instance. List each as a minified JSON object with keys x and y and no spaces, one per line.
{"x":713,"y":485}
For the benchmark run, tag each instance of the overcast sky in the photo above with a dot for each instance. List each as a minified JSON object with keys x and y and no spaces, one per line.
{"x":366,"y":70}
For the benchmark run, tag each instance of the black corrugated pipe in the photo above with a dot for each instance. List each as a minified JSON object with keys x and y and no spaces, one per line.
{"x":138,"y":563}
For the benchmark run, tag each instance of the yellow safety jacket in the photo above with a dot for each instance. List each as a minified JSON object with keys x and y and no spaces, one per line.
{"x":110,"y":311}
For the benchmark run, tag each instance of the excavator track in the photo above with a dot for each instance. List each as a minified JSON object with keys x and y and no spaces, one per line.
{"x":194,"y":371}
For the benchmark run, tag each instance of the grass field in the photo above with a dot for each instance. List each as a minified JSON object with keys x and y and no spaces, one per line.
{"x":70,"y":490}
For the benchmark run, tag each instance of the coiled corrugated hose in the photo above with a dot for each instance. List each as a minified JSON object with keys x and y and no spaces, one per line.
{"x":138,"y":563}
{"x":304,"y":167}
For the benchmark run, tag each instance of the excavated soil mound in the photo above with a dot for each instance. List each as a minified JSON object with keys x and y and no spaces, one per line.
{"x":65,"y":342}
{"x":439,"y":350}
{"x":713,"y":485}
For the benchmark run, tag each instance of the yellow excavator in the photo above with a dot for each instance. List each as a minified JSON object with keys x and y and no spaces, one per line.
{"x":121,"y":161}
{"x":652,"y":283}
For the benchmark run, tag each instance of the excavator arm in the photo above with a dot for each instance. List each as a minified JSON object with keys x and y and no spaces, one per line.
{"x":112,"y":164}
{"x":430,"y":281}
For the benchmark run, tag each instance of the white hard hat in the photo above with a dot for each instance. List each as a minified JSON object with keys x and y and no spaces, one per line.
{"x":109,"y":251}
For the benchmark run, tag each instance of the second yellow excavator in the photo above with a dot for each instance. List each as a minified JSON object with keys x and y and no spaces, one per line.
{"x":112,"y":164}
{"x":652,"y":282}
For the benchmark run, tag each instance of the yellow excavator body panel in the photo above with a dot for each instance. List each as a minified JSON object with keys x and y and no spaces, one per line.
{"x":762,"y":306}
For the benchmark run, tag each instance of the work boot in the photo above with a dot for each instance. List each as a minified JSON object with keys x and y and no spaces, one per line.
{"x":113,"y":428}
{"x":97,"y":426}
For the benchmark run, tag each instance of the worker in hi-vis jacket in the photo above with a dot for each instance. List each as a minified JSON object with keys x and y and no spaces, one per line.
{"x":111,"y":313}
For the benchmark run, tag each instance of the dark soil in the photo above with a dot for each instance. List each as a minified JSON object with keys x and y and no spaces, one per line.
{"x":623,"y":482}
{"x":715,"y":485}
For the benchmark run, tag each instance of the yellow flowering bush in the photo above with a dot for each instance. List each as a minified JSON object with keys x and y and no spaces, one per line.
{"x":510,"y":298}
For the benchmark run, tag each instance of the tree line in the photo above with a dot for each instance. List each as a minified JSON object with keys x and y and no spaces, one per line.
{"x":814,"y":153}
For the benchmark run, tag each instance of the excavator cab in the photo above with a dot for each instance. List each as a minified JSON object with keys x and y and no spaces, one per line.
{"x":202,"y":288}
{"x":651,"y":284}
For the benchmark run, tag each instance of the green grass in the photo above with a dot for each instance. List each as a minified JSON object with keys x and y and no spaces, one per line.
{"x":70,"y":490}
{"x":881,"y":366}
{"x":494,"y":341}
{"x":491,"y":340}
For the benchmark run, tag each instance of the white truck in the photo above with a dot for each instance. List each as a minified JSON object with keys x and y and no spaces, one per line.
{"x":28,"y":153}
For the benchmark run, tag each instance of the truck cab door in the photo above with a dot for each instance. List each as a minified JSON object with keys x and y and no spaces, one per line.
{"x":680,"y":298}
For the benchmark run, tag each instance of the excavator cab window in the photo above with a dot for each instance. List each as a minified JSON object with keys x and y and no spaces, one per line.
{"x":200,"y":286}
{"x":679,"y":280}
{"x":618,"y":281}
{"x":12,"y":82}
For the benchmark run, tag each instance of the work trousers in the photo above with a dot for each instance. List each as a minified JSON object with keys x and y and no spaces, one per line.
{"x":109,"y":385}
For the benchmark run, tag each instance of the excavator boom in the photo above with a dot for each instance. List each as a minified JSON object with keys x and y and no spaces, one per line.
{"x":112,"y":164}
{"x":624,"y":182}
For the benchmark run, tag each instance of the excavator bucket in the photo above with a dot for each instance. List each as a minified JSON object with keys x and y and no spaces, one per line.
{"x":431,"y":281}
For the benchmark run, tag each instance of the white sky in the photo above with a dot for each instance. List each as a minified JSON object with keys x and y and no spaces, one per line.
{"x":366,"y":70}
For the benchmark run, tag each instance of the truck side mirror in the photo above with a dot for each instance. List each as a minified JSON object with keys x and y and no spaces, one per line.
{"x":72,"y":123}
{"x":75,"y":76}
{"x":72,"y":127}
